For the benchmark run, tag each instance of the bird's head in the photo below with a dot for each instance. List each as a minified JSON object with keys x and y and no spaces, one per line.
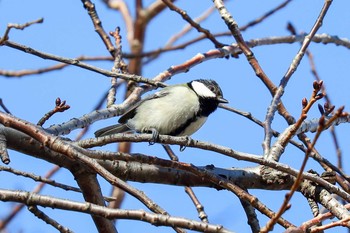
{"x":208,"y":89}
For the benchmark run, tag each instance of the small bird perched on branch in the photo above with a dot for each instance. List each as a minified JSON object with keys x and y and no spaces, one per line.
{"x":177,"y":110}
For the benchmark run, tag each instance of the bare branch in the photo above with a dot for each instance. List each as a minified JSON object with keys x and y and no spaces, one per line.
{"x":90,"y":7}
{"x":276,"y":101}
{"x":80,"y":64}
{"x":61,"y":106}
{"x":17,"y":26}
{"x":194,"y":24}
{"x":38,"y":213}
{"x":156,"y":219}
{"x":233,"y":27}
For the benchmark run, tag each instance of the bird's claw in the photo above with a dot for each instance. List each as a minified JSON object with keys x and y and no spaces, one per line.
{"x":182,"y":148}
{"x":188,"y":143}
{"x":155,"y":137}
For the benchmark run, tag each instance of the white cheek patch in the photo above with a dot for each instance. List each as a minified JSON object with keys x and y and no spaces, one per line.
{"x":202,"y":89}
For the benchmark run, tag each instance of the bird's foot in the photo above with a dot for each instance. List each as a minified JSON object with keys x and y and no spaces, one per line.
{"x":183,"y":147}
{"x":155,"y":136}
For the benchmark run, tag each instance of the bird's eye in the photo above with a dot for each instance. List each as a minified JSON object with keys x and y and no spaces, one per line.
{"x":212,"y":88}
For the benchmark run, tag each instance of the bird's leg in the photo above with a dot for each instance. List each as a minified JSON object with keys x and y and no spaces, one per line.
{"x":155,"y":136}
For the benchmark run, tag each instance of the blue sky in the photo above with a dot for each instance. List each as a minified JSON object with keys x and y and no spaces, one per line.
{"x":67,"y":31}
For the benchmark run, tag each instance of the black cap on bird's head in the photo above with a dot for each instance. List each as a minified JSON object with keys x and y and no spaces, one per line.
{"x":208,"y":89}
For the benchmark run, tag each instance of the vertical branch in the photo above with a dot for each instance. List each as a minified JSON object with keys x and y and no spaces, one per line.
{"x":292,"y":68}
{"x":292,"y":30}
{"x":118,"y":67}
{"x":90,"y":7}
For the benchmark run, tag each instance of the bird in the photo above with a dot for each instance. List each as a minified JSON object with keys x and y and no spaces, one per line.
{"x":176,"y":110}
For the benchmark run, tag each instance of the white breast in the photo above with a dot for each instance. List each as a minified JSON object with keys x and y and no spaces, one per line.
{"x":166,"y":113}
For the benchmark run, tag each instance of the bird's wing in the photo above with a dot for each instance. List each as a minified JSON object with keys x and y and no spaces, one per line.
{"x":112,"y":129}
{"x":132,"y":111}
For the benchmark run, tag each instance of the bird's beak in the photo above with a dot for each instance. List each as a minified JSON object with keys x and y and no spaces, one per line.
{"x":222,"y":100}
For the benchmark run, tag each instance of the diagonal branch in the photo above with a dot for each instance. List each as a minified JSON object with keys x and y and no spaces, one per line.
{"x":194,"y":24}
{"x":233,"y":27}
{"x":276,"y":101}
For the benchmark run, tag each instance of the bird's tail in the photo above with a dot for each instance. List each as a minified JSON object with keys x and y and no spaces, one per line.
{"x":113,"y":129}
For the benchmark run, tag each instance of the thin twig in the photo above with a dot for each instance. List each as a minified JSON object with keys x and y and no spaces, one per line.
{"x":59,"y":66}
{"x":46,"y":179}
{"x":119,"y":64}
{"x":90,"y":7}
{"x":251,"y":215}
{"x":278,"y":147}
{"x":17,"y":208}
{"x":194,"y":24}
{"x":17,"y":26}
{"x":122,"y":7}
{"x":293,"y":31}
{"x":41,"y":215}
{"x":200,"y":208}
{"x":249,"y":116}
{"x":169,"y":45}
{"x":60,"y":106}
{"x":265,"y":16}
{"x":75,"y":62}
{"x":188,"y":27}
{"x":118,"y":67}
{"x":317,"y":220}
